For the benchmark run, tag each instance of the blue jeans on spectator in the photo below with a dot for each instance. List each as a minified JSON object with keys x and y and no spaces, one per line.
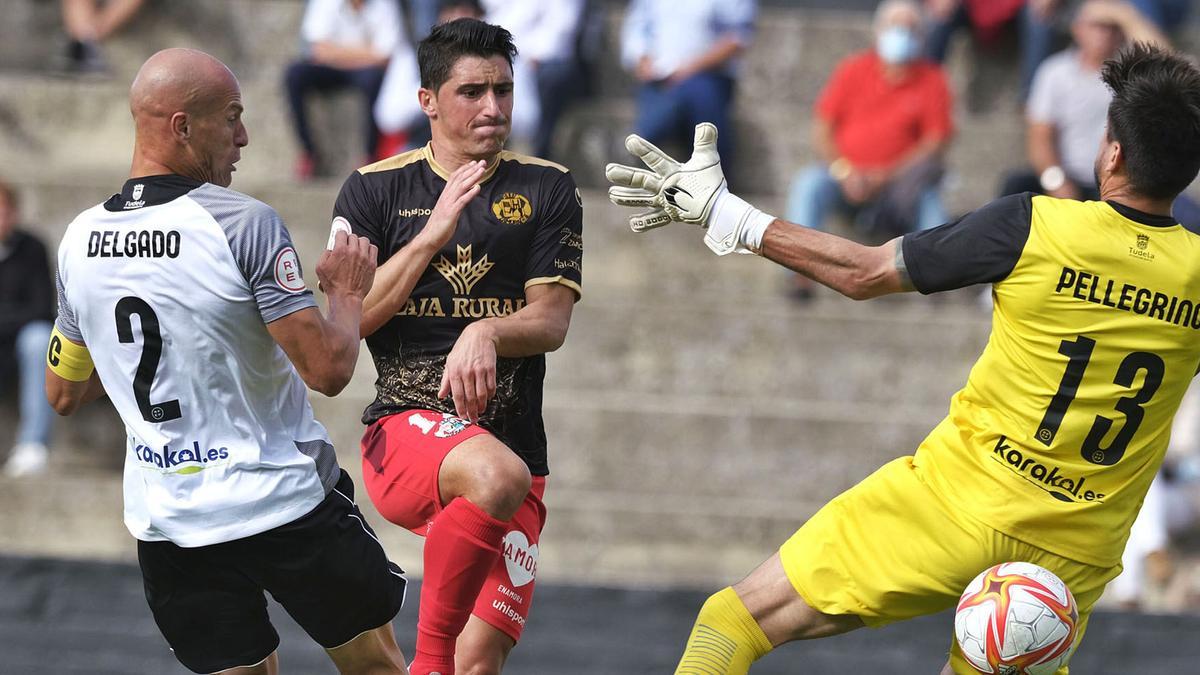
{"x":305,"y":76}
{"x":558,"y":83}
{"x":36,"y":413}
{"x":814,"y":194}
{"x":670,"y":112}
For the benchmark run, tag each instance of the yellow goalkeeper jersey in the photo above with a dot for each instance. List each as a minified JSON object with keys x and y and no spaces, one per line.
{"x":1066,"y":415}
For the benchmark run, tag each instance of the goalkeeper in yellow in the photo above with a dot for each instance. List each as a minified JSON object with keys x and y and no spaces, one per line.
{"x":1048,"y":450}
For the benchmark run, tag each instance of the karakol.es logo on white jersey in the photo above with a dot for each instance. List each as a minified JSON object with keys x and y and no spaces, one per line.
{"x":183,"y":461}
{"x":287,"y":271}
{"x":520,"y":557}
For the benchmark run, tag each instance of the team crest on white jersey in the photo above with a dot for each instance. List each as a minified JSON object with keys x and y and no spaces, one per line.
{"x":287,"y":271}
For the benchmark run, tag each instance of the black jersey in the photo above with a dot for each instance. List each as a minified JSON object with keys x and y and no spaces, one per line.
{"x":524,"y":228}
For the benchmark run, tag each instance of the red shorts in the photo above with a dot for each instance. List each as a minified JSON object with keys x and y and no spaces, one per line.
{"x":402,"y":456}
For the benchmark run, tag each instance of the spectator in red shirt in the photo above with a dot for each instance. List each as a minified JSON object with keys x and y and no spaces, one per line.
{"x":882,"y":124}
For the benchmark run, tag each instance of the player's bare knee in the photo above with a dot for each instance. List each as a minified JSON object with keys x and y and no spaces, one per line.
{"x":487,"y":474}
{"x":500,"y":486}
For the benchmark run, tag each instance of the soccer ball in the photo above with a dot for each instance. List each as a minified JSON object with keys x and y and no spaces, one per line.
{"x":1016,"y":619}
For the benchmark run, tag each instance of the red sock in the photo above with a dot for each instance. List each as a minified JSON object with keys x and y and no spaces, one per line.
{"x":461,"y":548}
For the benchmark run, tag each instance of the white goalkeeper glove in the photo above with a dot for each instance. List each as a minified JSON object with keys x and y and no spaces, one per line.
{"x":693,"y":192}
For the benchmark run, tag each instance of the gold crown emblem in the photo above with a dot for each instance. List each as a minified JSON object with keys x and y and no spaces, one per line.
{"x":512,"y":208}
{"x":464,"y":274}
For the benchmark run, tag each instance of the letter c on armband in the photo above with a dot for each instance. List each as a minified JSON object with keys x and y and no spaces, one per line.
{"x":68,"y":360}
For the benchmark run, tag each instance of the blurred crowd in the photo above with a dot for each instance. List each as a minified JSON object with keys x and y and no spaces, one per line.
{"x":881,"y":128}
{"x":684,"y":57}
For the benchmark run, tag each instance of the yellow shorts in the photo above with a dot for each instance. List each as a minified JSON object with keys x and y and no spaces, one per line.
{"x":890,"y":549}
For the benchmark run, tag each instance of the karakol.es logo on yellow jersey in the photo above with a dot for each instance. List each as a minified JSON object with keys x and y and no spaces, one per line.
{"x":1058,"y":484}
{"x":512,"y":208}
{"x":464,"y":274}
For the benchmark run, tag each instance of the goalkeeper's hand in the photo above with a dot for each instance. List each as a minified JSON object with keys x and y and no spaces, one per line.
{"x":693,"y":192}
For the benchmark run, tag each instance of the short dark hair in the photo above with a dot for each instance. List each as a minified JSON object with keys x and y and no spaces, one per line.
{"x":1155,"y":116}
{"x":448,"y":42}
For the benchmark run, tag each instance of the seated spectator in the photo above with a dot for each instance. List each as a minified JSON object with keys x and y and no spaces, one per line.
{"x":89,"y":23}
{"x":882,"y":124}
{"x":686,"y":56}
{"x":987,"y":18}
{"x":547,"y":34}
{"x":401,"y":122}
{"x":26,"y":313}
{"x":347,"y":44}
{"x":1067,"y":110}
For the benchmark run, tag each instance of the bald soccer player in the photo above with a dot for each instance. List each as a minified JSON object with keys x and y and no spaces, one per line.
{"x":184,"y":301}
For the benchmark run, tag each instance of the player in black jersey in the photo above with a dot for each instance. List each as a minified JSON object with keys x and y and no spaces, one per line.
{"x":480,"y":254}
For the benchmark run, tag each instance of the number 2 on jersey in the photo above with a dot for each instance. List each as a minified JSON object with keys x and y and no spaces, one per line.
{"x":1078,"y":353}
{"x":151,"y":353}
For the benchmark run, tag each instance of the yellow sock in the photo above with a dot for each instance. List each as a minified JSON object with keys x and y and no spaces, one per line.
{"x":725,"y":639}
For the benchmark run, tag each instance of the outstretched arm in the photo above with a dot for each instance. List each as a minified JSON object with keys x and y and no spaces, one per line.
{"x":981,"y":247}
{"x":852,"y":269}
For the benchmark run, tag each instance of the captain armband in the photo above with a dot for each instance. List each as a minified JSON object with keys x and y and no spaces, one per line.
{"x":68,"y":360}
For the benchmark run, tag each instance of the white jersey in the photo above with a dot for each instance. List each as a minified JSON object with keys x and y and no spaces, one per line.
{"x":170,"y":285}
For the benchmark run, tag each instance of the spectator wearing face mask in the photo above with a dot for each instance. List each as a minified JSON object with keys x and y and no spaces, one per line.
{"x":882,"y":124}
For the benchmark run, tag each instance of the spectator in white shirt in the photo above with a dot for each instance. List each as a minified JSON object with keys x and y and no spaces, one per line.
{"x":685,"y":54}
{"x":347,"y":44}
{"x":547,"y":34}
{"x":402,"y":124}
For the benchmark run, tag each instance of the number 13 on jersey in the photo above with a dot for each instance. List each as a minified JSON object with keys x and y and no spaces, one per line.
{"x":1079,"y":353}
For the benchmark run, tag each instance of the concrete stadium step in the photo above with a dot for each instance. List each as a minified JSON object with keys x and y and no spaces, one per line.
{"x":667,"y":269}
{"x":249,"y":36}
{"x":812,"y":453}
{"x":592,"y":536}
{"x":754,"y":353}
{"x":713,"y":446}
{"x":82,"y":127}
